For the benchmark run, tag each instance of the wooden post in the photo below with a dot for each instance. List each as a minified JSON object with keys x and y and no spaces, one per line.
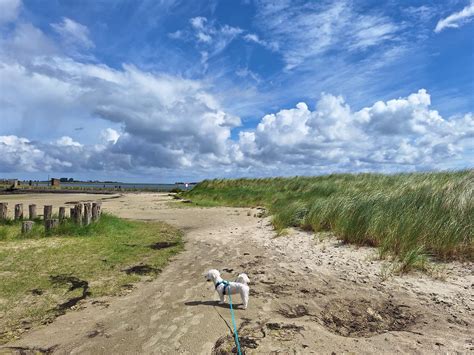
{"x":87,"y":214}
{"x":32,"y":210}
{"x":96,"y":210}
{"x":62,"y":214}
{"x":50,"y":224}
{"x":47,"y":212}
{"x":3,"y":210}
{"x":78,"y":214}
{"x":27,"y":226}
{"x":18,"y":211}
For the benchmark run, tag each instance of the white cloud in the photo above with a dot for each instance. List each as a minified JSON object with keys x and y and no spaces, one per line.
{"x":9,"y":10}
{"x":399,"y":134}
{"x":18,"y":154}
{"x":167,"y":121}
{"x":254,"y":38}
{"x":456,"y":19}
{"x":66,"y":141}
{"x":176,"y":35}
{"x":198,"y":22}
{"x":73,"y":33}
{"x":110,"y":135}
{"x":26,"y":42}
{"x":304,"y":30}
{"x":210,"y":39}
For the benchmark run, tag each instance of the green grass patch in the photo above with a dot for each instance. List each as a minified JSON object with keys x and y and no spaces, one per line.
{"x":40,"y":274}
{"x":410,"y":216}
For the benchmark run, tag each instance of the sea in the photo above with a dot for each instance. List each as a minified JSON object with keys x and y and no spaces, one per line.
{"x":116,"y":185}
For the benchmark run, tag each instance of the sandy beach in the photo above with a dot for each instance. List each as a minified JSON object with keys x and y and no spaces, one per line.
{"x":309,"y":293}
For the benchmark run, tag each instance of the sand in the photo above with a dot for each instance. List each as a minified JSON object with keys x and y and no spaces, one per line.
{"x":309,"y":294}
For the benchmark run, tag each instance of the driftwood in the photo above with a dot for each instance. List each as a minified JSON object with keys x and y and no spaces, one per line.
{"x":3,"y":210}
{"x":18,"y":211}
{"x":27,"y":226}
{"x":32,"y":211}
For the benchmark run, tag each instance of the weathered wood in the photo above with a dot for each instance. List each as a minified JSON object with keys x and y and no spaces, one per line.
{"x":50,"y":224}
{"x":62,"y":214}
{"x":18,"y":211}
{"x":71,"y":211}
{"x":32,"y":211}
{"x":27,"y":226}
{"x":96,"y":210}
{"x":47,"y":212}
{"x":78,"y":213}
{"x":86,"y":219}
{"x":3,"y":210}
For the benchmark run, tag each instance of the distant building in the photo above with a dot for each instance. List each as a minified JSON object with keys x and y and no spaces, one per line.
{"x":55,"y":182}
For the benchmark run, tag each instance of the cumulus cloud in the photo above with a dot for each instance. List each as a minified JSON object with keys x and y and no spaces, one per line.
{"x":151,"y":121}
{"x":402,"y":134}
{"x":20,"y":154}
{"x":66,"y":141}
{"x":166,"y":120}
{"x":392,"y":135}
{"x":456,"y":19}
{"x":110,"y":135}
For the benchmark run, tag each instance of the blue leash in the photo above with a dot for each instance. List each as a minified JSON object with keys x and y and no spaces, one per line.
{"x":236,"y":336}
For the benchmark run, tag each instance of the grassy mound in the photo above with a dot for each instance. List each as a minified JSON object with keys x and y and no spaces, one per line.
{"x":407,"y":215}
{"x":41,"y":276}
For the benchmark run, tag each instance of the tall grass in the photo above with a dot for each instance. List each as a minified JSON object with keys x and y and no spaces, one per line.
{"x":406,"y":215}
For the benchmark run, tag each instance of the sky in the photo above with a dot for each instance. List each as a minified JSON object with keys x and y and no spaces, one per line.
{"x":164,"y":91}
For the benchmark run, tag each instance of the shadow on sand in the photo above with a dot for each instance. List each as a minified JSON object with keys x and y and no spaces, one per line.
{"x":211,"y":303}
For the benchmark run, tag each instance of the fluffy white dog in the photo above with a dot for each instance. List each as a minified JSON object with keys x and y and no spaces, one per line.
{"x":224,"y":288}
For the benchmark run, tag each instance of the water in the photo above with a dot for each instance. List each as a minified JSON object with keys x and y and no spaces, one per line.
{"x":114,"y":185}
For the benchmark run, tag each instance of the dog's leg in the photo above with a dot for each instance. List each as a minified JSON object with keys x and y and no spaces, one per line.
{"x":222,"y":297}
{"x":245,"y":298}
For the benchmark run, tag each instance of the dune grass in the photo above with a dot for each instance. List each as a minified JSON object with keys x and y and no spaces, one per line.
{"x":409,"y":216}
{"x":41,"y":275}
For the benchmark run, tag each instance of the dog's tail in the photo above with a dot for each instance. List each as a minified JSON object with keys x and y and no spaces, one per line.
{"x":243,"y":279}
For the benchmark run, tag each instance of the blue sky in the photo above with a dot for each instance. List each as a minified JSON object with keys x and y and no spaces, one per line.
{"x":173,"y":90}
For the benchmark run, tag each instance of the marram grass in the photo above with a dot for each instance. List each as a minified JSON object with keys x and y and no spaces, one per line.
{"x":406,"y":215}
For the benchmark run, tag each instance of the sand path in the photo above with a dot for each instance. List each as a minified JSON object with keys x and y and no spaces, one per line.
{"x":310,"y":294}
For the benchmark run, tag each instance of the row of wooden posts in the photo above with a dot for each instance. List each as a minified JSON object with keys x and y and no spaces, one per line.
{"x":81,"y":214}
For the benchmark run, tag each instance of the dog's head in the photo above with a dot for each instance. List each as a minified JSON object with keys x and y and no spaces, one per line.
{"x":243,"y":279}
{"x":212,"y":275}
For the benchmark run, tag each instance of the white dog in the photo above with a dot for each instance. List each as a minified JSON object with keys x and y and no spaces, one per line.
{"x":224,"y":288}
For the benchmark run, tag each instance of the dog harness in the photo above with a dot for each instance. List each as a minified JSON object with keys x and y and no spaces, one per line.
{"x":223,"y":282}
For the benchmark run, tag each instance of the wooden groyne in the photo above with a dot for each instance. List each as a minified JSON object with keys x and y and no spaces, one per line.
{"x":82,"y":214}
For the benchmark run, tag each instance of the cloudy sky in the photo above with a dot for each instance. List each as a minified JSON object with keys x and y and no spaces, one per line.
{"x":158,"y":91}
